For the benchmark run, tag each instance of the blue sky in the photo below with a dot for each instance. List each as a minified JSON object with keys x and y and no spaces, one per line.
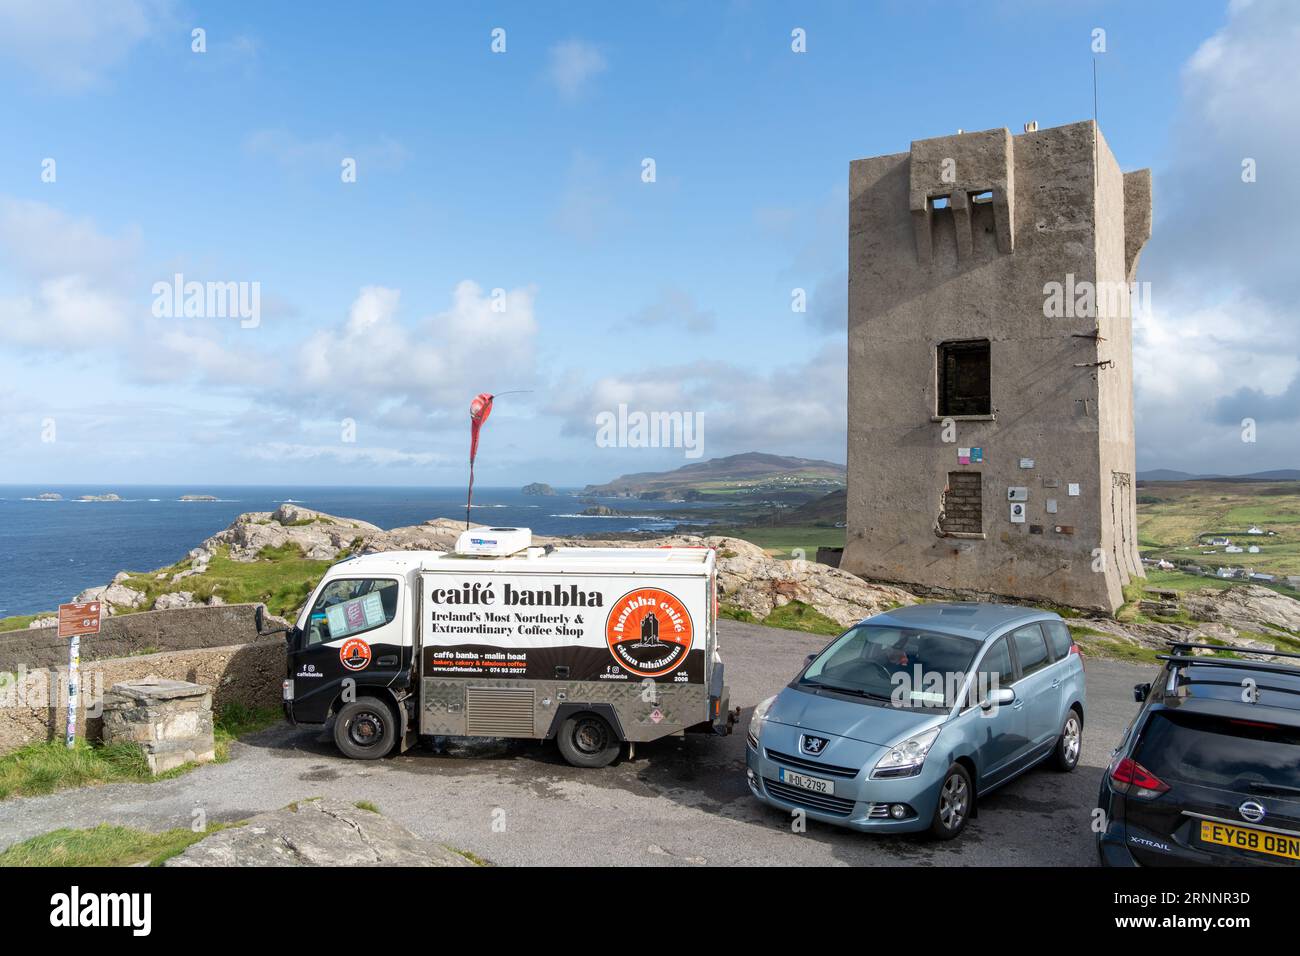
{"x":522,"y":171}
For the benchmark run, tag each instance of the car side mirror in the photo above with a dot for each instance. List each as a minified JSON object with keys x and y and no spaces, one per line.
{"x":1141,"y":692}
{"x":809,"y":659}
{"x":998,"y":698}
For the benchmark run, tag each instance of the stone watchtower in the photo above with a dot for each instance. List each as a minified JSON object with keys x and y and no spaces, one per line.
{"x":990,"y":444}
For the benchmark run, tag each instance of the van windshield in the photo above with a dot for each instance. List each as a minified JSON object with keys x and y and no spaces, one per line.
{"x":909,"y":667}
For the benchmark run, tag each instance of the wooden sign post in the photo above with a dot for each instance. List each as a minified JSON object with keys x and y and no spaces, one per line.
{"x":75,"y":620}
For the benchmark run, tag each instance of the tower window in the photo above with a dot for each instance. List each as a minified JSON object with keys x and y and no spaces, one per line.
{"x":964,"y":385}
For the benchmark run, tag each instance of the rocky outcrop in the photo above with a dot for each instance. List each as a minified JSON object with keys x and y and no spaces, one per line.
{"x":537,"y":488}
{"x":321,"y":832}
{"x":1247,"y":607}
{"x":320,"y":536}
{"x":752,"y":580}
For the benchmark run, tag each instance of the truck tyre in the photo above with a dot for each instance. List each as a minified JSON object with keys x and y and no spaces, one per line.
{"x":587,"y":740}
{"x":365,"y":729}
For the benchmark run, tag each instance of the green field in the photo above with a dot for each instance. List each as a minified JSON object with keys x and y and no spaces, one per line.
{"x":1176,"y":519}
{"x":781,"y":540}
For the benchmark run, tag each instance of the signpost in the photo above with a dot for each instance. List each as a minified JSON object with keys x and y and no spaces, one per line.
{"x":75,"y":620}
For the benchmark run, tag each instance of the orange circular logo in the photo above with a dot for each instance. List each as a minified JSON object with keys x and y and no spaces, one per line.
{"x":649,"y":632}
{"x":354,"y":654}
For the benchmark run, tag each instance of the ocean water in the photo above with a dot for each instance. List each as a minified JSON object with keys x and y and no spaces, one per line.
{"x":51,"y":550}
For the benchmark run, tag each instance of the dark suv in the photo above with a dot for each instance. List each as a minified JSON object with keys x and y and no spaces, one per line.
{"x":1208,"y":773}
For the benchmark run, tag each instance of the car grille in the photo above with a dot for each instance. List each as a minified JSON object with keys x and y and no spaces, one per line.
{"x":879,"y":811}
{"x":813,"y":801}
{"x":803,"y":763}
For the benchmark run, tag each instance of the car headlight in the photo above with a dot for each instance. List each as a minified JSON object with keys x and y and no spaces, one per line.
{"x":756,"y":721}
{"x":905,"y":759}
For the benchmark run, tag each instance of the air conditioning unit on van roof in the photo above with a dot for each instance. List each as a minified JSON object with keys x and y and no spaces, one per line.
{"x":494,"y":542}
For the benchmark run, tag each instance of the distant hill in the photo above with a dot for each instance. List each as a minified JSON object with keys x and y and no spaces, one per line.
{"x":829,"y":510}
{"x":1167,"y":474}
{"x":746,"y":475}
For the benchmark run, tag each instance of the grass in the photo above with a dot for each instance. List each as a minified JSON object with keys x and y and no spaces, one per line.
{"x":780,"y":541}
{"x":282,"y":579}
{"x":103,"y":845}
{"x":795,"y":616}
{"x":20,"y":622}
{"x":39,"y":769}
{"x":366,"y":805}
{"x":236,"y":720}
{"x":1175,"y":517}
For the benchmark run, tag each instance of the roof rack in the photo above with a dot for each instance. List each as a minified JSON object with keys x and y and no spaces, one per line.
{"x":1270,"y":667}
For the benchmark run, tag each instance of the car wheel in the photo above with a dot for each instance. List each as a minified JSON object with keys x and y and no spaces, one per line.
{"x":1070,"y":743}
{"x":587,"y":740}
{"x":365,"y":729}
{"x":955,"y":796}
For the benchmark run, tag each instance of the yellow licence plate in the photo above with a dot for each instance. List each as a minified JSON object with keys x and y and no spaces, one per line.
{"x":1255,"y":840}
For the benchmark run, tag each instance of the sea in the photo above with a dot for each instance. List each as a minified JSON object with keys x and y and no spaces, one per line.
{"x":52,"y":550}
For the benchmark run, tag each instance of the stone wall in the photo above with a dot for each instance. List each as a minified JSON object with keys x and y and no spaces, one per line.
{"x":33,"y":705}
{"x":127,"y":634}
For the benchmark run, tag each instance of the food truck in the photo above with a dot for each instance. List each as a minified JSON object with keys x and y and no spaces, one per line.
{"x":589,"y":647}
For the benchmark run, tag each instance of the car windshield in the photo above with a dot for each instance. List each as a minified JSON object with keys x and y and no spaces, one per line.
{"x":1242,"y":755}
{"x":903,"y":665}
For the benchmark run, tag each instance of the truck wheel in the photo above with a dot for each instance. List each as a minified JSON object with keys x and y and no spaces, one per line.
{"x":365,"y":729}
{"x":587,"y":740}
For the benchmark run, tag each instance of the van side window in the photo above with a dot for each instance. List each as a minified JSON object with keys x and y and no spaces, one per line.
{"x":1058,"y":638}
{"x":351,"y":606}
{"x":1031,"y":649}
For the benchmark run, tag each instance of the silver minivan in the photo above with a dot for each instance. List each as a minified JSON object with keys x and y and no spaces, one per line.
{"x":901,"y":723}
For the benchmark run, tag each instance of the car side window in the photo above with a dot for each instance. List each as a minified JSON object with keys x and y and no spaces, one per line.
{"x":1031,"y":649}
{"x":1058,"y":638}
{"x":351,"y":606}
{"x":995,"y":668}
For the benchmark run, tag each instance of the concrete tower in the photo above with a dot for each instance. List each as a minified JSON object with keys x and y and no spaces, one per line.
{"x":990,"y":444}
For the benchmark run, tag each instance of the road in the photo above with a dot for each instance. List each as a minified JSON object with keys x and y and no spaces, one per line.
{"x":680,"y":802}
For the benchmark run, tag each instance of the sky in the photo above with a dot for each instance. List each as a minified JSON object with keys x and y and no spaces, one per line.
{"x":585,"y":204}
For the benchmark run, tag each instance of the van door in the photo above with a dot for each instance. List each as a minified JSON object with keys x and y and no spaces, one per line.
{"x":999,"y":733}
{"x":1034,"y":688}
{"x":355,"y":629}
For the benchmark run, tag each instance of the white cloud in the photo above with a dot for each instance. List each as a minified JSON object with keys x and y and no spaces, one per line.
{"x":375,"y":361}
{"x":78,"y":289}
{"x":72,"y":44}
{"x":343,"y":454}
{"x":572,"y":66}
{"x":799,"y":408}
{"x":1220,"y":342}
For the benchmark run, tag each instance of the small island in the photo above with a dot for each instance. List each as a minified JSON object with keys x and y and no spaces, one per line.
{"x":108,"y":497}
{"x":199,"y":498}
{"x":49,"y":496}
{"x":538,"y":488}
{"x":601,"y":511}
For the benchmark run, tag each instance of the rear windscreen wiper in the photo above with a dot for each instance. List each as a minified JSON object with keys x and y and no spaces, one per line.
{"x":1272,"y":788}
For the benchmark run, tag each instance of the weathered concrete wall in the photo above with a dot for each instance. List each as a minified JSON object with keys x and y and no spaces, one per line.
{"x":126,"y":634}
{"x":33,"y":705}
{"x":920,"y":276}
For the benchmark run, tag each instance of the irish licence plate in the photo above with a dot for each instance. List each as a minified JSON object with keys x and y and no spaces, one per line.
{"x":804,"y":782}
{"x":1257,"y":841}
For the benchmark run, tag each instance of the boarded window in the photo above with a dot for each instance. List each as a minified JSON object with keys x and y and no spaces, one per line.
{"x":964,"y":387}
{"x":963,"y":510}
